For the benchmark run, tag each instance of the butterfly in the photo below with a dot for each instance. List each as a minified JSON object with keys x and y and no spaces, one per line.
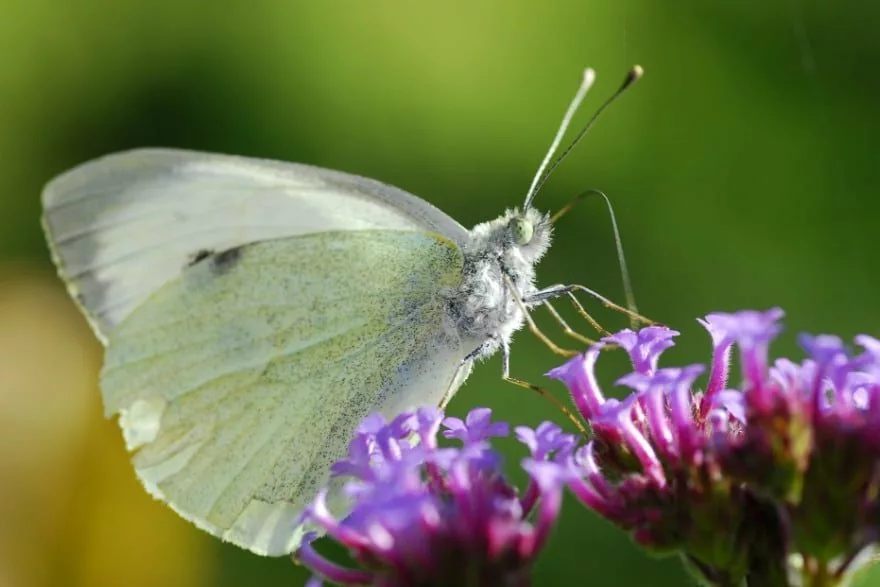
{"x":254,"y":311}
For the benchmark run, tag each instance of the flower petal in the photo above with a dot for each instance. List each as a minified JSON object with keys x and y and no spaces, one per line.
{"x":645,"y":346}
{"x":578,"y":375}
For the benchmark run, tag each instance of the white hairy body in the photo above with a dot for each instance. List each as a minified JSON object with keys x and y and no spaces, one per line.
{"x":483,"y":307}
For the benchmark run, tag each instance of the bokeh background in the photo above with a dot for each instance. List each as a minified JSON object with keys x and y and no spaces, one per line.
{"x":742,"y":167}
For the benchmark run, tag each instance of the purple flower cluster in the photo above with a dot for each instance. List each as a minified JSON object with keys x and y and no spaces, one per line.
{"x":774,"y":481}
{"x":427,"y":515}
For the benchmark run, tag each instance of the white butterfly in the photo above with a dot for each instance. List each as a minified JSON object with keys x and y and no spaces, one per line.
{"x":254,"y":312}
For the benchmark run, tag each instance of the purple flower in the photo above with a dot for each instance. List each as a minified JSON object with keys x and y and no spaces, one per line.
{"x":546,"y":441}
{"x":424,"y":515}
{"x":744,"y":481}
{"x":645,"y":346}
{"x":477,"y":426}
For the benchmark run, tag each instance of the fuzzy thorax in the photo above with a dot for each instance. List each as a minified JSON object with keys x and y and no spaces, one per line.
{"x":483,"y":307}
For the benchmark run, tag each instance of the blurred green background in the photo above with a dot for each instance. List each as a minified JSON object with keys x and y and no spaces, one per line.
{"x":743,"y":169}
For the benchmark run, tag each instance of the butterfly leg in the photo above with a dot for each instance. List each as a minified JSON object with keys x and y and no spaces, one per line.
{"x":555,"y":291}
{"x":505,"y":375}
{"x":568,"y":330}
{"x":450,"y":389}
{"x":545,"y":295}
{"x":533,"y":328}
{"x":489,"y":346}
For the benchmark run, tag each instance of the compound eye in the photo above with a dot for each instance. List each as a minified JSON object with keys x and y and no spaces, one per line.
{"x":521,"y":230}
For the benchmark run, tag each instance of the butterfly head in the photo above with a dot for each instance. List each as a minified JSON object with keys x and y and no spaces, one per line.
{"x":528,"y":232}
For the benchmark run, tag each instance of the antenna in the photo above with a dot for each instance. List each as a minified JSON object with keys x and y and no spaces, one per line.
{"x":546,"y":168}
{"x":586,"y":82}
{"x":618,"y":243}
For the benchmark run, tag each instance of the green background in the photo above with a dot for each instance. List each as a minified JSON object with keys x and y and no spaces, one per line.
{"x":742,"y":169}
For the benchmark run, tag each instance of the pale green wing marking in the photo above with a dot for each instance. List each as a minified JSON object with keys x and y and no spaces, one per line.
{"x":240,"y":382}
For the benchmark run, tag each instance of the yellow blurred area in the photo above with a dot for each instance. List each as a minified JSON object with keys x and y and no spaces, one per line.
{"x":71,"y":511}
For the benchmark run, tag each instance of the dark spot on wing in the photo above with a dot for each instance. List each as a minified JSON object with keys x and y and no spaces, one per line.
{"x":216,"y":263}
{"x":201,"y":255}
{"x":224,"y":261}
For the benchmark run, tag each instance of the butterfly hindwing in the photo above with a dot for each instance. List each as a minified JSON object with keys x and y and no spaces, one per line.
{"x":240,"y":382}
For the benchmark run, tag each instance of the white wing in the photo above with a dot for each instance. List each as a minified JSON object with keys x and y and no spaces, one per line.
{"x":240,"y":382}
{"x":253,"y":311}
{"x":123,"y":225}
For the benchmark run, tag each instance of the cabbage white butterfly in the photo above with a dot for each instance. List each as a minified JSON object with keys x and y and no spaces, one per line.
{"x":254,"y":311}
